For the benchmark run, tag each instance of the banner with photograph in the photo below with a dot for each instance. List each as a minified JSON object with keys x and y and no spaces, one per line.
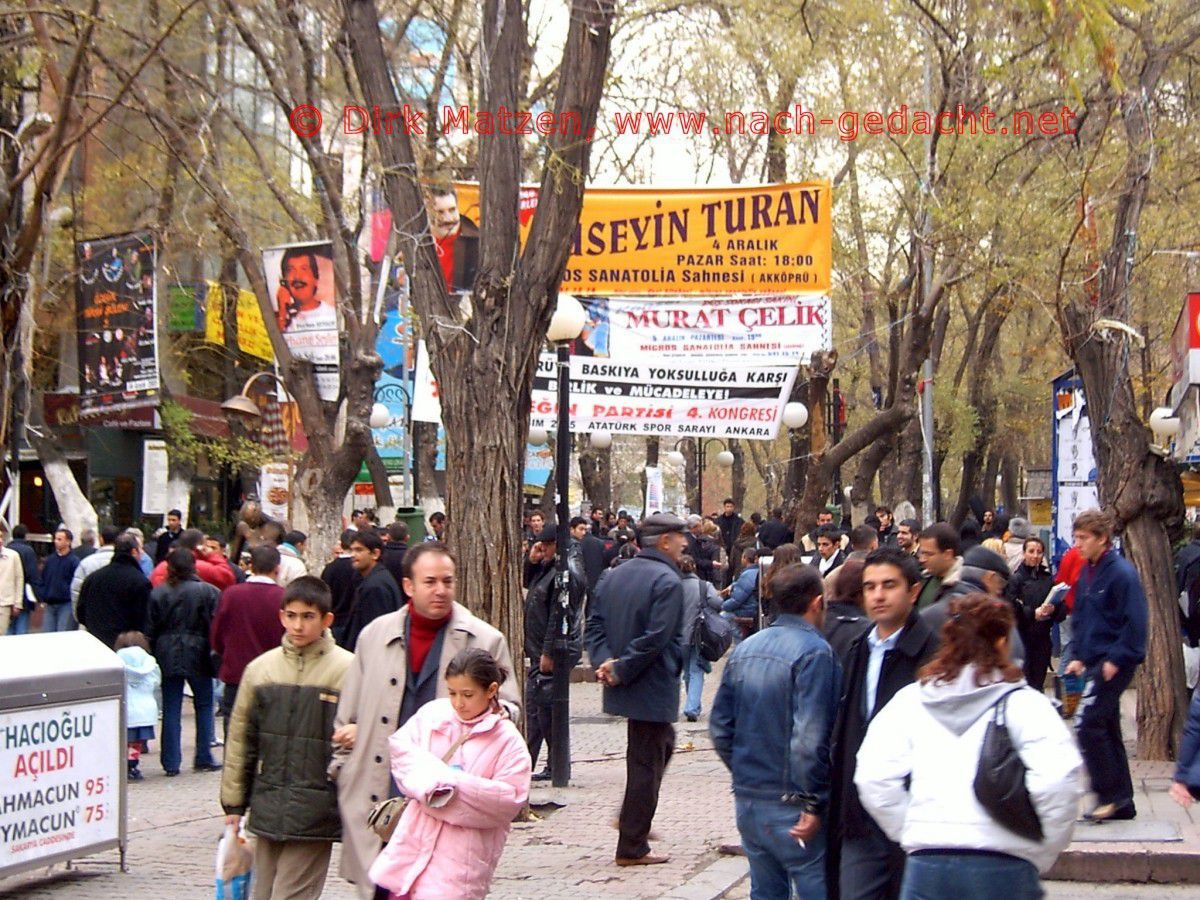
{"x":779,"y":327}
{"x":742,"y":239}
{"x":301,"y":283}
{"x":656,"y":397}
{"x":118,"y":343}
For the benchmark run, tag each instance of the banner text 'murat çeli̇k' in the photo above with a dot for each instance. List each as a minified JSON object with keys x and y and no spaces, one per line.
{"x":769,"y":238}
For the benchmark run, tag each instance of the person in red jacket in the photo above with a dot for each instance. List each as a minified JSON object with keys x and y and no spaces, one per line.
{"x":247,"y":623}
{"x":211,"y":568}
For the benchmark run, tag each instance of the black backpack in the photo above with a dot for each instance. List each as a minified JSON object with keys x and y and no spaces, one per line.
{"x":711,"y":635}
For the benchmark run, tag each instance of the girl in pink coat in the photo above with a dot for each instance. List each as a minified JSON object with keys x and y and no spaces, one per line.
{"x":452,"y":832}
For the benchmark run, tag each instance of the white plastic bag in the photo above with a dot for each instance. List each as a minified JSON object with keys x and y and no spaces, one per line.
{"x":235,"y":864}
{"x":1191,"y":665}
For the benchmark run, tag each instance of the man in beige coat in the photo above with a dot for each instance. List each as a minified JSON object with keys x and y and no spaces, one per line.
{"x":381,"y":691}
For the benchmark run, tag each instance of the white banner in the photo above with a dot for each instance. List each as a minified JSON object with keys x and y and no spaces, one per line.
{"x":426,"y":406}
{"x":274,"y":490}
{"x":300,"y":279}
{"x":783,"y":328}
{"x":62,"y":779}
{"x":654,"y":490}
{"x":652,"y":396}
{"x":154,"y":477}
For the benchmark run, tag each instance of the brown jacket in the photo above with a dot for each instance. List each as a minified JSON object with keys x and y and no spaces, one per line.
{"x":372,"y":693}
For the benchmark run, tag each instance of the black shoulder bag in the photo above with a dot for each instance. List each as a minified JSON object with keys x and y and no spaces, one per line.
{"x":1000,"y":779}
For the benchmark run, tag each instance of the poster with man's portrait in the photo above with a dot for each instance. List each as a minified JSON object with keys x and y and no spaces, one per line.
{"x":303,"y":294}
{"x":115,"y":310}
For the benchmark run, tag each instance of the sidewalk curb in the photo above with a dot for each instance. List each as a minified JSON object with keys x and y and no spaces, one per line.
{"x":1136,"y":862}
{"x":713,"y":881}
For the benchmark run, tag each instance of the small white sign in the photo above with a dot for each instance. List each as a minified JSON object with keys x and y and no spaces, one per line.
{"x":154,"y":477}
{"x":274,"y":489}
{"x":60,"y":779}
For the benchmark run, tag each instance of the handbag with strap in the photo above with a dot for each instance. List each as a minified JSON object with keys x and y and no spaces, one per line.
{"x":1000,"y":779}
{"x":385,"y":815}
{"x":711,"y":634}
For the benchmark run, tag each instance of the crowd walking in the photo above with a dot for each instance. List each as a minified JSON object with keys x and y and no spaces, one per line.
{"x":882,"y":685}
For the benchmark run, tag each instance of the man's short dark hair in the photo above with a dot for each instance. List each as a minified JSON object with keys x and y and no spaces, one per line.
{"x":750,"y":554}
{"x":398,"y":532}
{"x":829,"y":531}
{"x":271,"y":531}
{"x":20,"y":532}
{"x":66,"y":531}
{"x":777,"y":512}
{"x":418,"y":550}
{"x":220,"y":539}
{"x":577,"y":521}
{"x":310,"y":590}
{"x":347,"y":537}
{"x":177,"y":513}
{"x":912,"y":525}
{"x":190,"y":538}
{"x":264,"y":559}
{"x":124,"y":544}
{"x":794,"y":587}
{"x":886,"y":510}
{"x":438,"y":517}
{"x":863,"y":537}
{"x":909,"y":568}
{"x":109,"y":533}
{"x":295,"y":538}
{"x":944,"y":535}
{"x":369,"y":539}
{"x":728,"y":500}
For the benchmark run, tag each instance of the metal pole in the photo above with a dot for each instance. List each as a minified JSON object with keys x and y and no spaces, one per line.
{"x":560,"y":703}
{"x":928,"y":513}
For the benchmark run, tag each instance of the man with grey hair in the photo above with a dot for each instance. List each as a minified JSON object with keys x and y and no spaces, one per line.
{"x":143,"y":557}
{"x":87,"y":543}
{"x":982,"y":572}
{"x":634,"y":640}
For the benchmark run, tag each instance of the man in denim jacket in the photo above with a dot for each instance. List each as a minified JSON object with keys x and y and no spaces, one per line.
{"x":771,"y":724}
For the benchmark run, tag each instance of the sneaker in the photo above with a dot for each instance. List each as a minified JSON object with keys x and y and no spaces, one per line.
{"x":135,"y":775}
{"x":217,"y":742}
{"x":690,"y":717}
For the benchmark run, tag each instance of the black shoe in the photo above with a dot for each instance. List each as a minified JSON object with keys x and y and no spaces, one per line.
{"x":543,"y":775}
{"x":135,"y":775}
{"x":690,"y":717}
{"x":170,"y":773}
{"x":1111,"y":812}
{"x":209,"y":767}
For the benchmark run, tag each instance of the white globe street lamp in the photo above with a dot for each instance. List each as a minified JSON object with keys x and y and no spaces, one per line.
{"x":568,"y":320}
{"x":795,"y":415}
{"x":380,"y":416}
{"x":600,"y":440}
{"x":538,"y":436}
{"x":724,"y":459}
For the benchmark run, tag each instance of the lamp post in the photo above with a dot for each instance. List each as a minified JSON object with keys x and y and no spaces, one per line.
{"x":565,"y":325}
{"x":381,"y":417}
{"x":724,"y":460}
{"x":241,"y":408}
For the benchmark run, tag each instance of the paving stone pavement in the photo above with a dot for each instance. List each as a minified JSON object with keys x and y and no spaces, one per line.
{"x":174,"y":825}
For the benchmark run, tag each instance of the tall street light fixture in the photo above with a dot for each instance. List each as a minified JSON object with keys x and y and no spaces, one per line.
{"x":565,"y":325}
{"x":240,"y":408}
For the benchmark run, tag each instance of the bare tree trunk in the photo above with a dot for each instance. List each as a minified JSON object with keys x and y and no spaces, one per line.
{"x":820,"y":477}
{"x":595,"y":471}
{"x":692,"y":474}
{"x":425,"y":453}
{"x":73,"y":505}
{"x":987,"y":490}
{"x":1010,"y":491}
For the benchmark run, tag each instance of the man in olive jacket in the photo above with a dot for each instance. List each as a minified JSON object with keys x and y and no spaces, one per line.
{"x":279,"y":747}
{"x":634,"y":641}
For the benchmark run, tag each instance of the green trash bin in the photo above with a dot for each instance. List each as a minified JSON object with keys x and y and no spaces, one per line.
{"x":414,"y":518}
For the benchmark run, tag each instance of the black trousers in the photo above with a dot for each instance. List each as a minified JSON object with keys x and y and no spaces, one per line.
{"x":228,"y":698}
{"x":646,"y":756}
{"x":1099,"y":734}
{"x":537,"y":718}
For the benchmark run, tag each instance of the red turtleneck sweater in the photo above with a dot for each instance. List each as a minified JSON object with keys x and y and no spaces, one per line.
{"x":421,"y":634}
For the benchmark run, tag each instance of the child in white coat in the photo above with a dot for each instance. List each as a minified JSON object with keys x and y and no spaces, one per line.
{"x":142,"y":680}
{"x":466,"y":770}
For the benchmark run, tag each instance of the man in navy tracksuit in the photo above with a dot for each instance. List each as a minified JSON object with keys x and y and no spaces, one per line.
{"x":1108,"y":643}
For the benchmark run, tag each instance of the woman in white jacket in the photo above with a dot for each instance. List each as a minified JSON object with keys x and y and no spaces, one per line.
{"x":916,"y":768}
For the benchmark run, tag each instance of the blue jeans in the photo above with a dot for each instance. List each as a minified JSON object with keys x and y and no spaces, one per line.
{"x":202,"y":703}
{"x":20,"y":622}
{"x":980,"y":876}
{"x":779,"y":867}
{"x":693,"y":679}
{"x":59,"y":617}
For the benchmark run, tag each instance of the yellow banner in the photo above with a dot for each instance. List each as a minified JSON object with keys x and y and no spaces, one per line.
{"x":774,"y":238}
{"x":252,"y":331}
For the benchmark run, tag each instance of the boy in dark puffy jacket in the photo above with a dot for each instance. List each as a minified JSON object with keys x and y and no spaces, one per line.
{"x":280,"y":744}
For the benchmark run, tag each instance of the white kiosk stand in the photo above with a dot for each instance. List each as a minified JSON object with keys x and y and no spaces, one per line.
{"x":62,"y":750}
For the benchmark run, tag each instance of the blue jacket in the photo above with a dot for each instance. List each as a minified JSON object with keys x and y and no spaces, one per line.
{"x":635,"y":619}
{"x":743,"y":596}
{"x":56,"y":577}
{"x":773,"y":715}
{"x":1109,"y":620}
{"x":1187,"y":769}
